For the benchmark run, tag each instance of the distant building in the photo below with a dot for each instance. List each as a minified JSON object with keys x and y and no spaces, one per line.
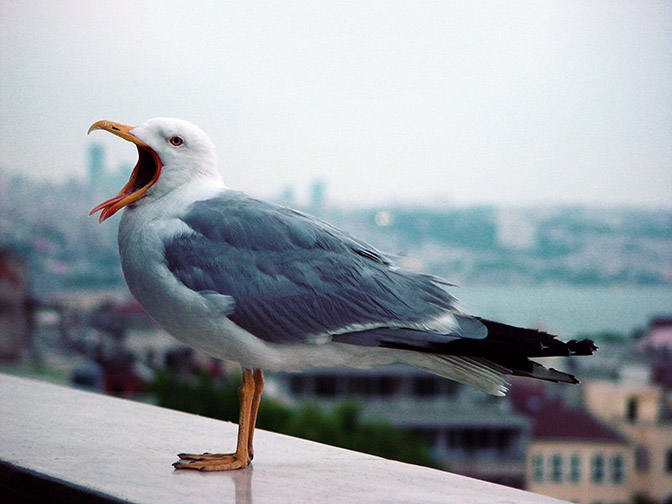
{"x":469,"y":432}
{"x":643,"y":413}
{"x":96,"y":167}
{"x":16,"y":306}
{"x":571,"y":454}
{"x":318,"y":190}
{"x":658,"y":336}
{"x":103,"y":182}
{"x":288,"y":197}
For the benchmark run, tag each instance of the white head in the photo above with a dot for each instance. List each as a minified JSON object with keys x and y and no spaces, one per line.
{"x":171,"y":152}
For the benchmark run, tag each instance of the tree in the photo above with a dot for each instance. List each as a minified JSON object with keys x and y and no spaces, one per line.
{"x":341,"y":426}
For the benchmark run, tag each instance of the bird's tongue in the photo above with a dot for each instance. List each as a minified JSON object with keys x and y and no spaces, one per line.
{"x":108,"y":207}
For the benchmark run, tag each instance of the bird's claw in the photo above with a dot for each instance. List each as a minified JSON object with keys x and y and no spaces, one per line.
{"x":211,"y":461}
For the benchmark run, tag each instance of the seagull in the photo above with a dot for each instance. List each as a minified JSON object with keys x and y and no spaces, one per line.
{"x":276,"y":289}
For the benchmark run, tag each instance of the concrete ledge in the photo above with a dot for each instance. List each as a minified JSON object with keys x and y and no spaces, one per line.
{"x":63,"y":445}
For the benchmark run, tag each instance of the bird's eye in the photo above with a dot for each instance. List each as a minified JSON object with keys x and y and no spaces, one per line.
{"x":175,"y":141}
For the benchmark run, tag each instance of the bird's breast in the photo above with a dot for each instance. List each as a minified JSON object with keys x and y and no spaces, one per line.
{"x":197,"y":319}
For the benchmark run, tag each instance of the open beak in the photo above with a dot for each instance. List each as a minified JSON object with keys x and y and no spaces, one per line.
{"x":144,"y":175}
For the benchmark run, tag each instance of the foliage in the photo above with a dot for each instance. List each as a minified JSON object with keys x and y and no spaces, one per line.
{"x":341,"y":426}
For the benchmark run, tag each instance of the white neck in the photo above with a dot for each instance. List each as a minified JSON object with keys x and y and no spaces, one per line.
{"x":158,"y":206}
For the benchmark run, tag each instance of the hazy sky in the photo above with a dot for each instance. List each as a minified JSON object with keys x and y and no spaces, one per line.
{"x":458,"y":102}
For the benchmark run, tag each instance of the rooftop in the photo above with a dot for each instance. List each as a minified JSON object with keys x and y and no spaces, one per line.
{"x":575,"y":424}
{"x":64,"y":445}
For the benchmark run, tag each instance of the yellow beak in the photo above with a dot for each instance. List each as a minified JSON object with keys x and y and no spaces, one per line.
{"x":145,"y":173}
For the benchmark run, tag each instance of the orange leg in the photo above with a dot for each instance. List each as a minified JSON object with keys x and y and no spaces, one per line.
{"x":250,"y":395}
{"x":258,"y":376}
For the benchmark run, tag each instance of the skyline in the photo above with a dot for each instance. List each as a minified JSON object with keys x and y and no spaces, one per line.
{"x":445,"y":103}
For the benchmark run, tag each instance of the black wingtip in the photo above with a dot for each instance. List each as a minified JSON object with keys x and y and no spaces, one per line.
{"x":583,"y":347}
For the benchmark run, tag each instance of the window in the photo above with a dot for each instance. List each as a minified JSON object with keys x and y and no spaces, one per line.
{"x":575,"y":468}
{"x":538,"y":468}
{"x":617,"y":469}
{"x":296,"y":384}
{"x":642,"y":459}
{"x":556,"y":468}
{"x":325,"y":385}
{"x":389,"y":386}
{"x":504,"y":439}
{"x":632,"y":407}
{"x":430,"y":437}
{"x":360,"y":386}
{"x":425,"y":386}
{"x":454,"y":439}
{"x":597,"y":468}
{"x":474,"y":439}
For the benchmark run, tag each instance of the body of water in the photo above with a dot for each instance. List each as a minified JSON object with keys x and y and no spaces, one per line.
{"x":568,"y":310}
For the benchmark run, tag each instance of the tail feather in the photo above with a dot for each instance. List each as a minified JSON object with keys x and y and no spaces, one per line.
{"x":532,"y":369}
{"x":482,"y":361}
{"x":481,"y":374}
{"x":533,"y":342}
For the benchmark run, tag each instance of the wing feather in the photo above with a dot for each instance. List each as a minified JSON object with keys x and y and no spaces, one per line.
{"x":294,"y":278}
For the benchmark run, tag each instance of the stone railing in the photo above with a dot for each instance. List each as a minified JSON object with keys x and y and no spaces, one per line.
{"x":63,"y":445}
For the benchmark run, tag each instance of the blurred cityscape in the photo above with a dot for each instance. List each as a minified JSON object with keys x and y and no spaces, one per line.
{"x":48,"y":224}
{"x":66,"y":316}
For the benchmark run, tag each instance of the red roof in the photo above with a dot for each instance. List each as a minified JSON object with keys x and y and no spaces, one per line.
{"x":661,"y":370}
{"x":552,"y":420}
{"x":8,"y":262}
{"x":661,"y":321}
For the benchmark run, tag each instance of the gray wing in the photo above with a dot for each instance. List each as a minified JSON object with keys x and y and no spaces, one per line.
{"x":295,"y":279}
